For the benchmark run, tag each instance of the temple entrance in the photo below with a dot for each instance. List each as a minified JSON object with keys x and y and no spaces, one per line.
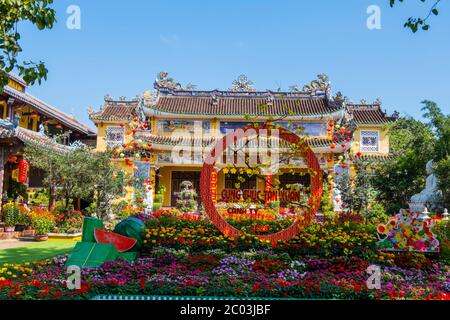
{"x":289,"y":181}
{"x":177,"y":179}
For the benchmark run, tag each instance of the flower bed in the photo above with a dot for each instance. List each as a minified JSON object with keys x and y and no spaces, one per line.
{"x":323,"y":240}
{"x":183,"y":257}
{"x":261,"y":273}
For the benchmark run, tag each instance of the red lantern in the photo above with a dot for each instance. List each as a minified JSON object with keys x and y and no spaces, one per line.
{"x":12,"y":159}
{"x":23,"y":171}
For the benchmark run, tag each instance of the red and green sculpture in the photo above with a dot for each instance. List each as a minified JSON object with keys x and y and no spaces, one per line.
{"x":99,"y":246}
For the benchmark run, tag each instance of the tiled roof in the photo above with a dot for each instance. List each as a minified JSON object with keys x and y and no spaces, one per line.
{"x":368,"y":114}
{"x":245,"y":106}
{"x":116,"y":111}
{"x":373,"y":157}
{"x":28,"y":136}
{"x":48,"y":110}
{"x":17,"y":79}
{"x":170,"y":141}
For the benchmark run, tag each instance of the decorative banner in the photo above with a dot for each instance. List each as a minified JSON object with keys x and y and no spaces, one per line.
{"x":214,"y":185}
{"x":269,"y":186}
{"x":407,"y":232}
{"x":310,"y":159}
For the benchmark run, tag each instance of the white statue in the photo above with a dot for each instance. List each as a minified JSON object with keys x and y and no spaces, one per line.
{"x":429,"y":196}
{"x":149,"y":202}
{"x":337,"y":199}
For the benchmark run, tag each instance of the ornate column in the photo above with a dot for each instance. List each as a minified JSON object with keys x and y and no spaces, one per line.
{"x":3,"y":158}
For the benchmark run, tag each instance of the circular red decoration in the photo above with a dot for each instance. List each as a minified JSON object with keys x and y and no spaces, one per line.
{"x":310,"y":159}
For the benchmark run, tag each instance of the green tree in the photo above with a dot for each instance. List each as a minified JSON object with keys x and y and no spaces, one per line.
{"x":12,"y":12}
{"x":440,"y":124}
{"x":442,"y":170}
{"x":46,"y":161}
{"x":412,"y":144}
{"x":106,"y":183}
{"x":80,"y":173}
{"x":362,"y":187}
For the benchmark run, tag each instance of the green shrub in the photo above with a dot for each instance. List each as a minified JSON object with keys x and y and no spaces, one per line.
{"x":376,"y":214}
{"x":43,"y":223}
{"x":159,"y":198}
{"x":11,"y":214}
{"x":157,"y":206}
{"x":442,"y":232}
{"x":275,"y":205}
{"x":24,"y":218}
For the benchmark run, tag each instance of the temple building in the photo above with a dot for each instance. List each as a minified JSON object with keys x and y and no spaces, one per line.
{"x":182,"y":119}
{"x":27,"y":119}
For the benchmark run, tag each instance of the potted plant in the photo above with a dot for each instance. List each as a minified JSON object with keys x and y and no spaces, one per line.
{"x":24,"y":221}
{"x":11,"y":216}
{"x":43,"y":223}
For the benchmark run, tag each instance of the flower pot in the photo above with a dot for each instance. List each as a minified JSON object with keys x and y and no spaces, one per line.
{"x":20,"y":227}
{"x":10,"y":229}
{"x":41,"y":238}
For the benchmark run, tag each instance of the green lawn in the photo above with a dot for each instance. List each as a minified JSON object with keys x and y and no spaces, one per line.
{"x":36,"y":251}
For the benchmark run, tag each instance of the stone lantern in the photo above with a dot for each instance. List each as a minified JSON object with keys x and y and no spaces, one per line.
{"x":445,"y":215}
{"x":424,"y":216}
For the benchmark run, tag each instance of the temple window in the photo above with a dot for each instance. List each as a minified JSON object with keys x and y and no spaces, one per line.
{"x":301,"y":128}
{"x":115,"y":136}
{"x":305,"y":128}
{"x":370,"y":141}
{"x":227,"y":127}
{"x":183,"y":126}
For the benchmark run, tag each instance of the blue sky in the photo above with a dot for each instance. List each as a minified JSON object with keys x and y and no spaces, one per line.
{"x":122,"y":45}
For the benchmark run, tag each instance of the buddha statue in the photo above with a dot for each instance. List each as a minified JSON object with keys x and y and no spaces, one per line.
{"x":429,"y":197}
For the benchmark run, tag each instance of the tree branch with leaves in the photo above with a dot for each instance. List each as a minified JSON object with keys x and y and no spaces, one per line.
{"x":12,"y":12}
{"x":417,"y":23}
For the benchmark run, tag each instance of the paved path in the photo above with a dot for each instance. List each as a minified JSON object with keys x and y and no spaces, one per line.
{"x":8,"y":244}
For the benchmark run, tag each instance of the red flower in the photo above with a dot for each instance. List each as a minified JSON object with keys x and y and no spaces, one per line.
{"x":142,"y":283}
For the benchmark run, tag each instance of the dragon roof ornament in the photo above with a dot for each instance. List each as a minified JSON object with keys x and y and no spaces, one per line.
{"x":242,"y":84}
{"x":164,"y":81}
{"x":321,"y":85}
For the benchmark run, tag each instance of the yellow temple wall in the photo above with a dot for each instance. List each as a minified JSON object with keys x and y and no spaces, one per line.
{"x":384,"y":138}
{"x":101,"y":137}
